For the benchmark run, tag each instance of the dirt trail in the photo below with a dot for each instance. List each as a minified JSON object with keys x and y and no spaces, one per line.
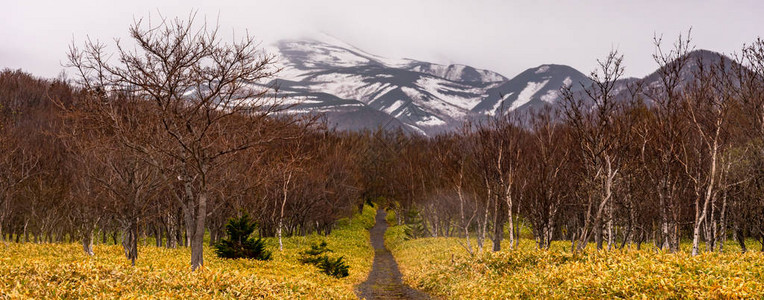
{"x":384,"y":281}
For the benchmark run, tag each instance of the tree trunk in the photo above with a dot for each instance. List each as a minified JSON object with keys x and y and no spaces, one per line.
{"x":465,"y":224}
{"x":549,"y":231}
{"x":2,"y":215}
{"x":511,"y":229}
{"x":610,"y":231}
{"x":171,"y":236}
{"x":283,"y":205}
{"x":498,"y":227}
{"x":197,"y":239}
{"x":663,"y":209}
{"x":518,"y":229}
{"x":484,"y":229}
{"x":158,"y":237}
{"x":696,"y":230}
{"x":87,"y":242}
{"x":178,"y":222}
{"x":598,"y":234}
{"x":213,"y":235}
{"x":700,"y":216}
{"x":740,"y":239}
{"x":722,"y":234}
{"x":26,"y":232}
{"x":711,"y":227}
{"x":628,"y":237}
{"x":130,"y":241}
{"x":191,"y":213}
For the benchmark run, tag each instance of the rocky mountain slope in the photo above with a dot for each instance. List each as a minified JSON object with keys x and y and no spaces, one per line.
{"x":357,"y":90}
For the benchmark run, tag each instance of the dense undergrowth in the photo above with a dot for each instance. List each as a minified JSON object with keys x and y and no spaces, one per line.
{"x":442,"y":267}
{"x":64,"y":271}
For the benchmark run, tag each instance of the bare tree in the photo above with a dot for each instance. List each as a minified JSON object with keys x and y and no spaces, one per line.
{"x":547,"y":161}
{"x":288,"y":167}
{"x":748,"y":88}
{"x":497,"y":151}
{"x":452,"y":153}
{"x":667,"y":128}
{"x":202,"y":95}
{"x":707,"y":105}
{"x":599,"y":141}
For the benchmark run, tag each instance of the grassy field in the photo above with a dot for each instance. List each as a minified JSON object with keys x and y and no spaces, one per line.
{"x":442,"y":267}
{"x":64,"y":271}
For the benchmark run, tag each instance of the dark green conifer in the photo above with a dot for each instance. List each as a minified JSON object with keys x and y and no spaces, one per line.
{"x":415,"y":227}
{"x":318,"y":255}
{"x":239,"y":244}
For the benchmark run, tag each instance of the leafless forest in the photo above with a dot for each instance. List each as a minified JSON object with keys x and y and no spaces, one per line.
{"x":172,"y":139}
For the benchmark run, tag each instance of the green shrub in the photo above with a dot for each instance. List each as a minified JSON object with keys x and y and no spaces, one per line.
{"x":314,"y":254}
{"x":333,"y":267}
{"x":318,"y":256}
{"x":415,"y":226}
{"x":238,"y":244}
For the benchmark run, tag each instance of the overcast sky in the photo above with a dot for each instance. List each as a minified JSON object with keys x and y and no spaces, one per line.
{"x":503,"y":36}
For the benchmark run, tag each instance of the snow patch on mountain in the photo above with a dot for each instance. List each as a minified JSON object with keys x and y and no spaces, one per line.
{"x":458,"y":73}
{"x":386,"y":88}
{"x":450,"y":93}
{"x":497,"y":106}
{"x":527,"y":93}
{"x":542,"y":69}
{"x":550,"y":96}
{"x":431,"y":121}
{"x":412,"y":93}
{"x":567,"y":82}
{"x":298,"y":101}
{"x":345,"y":86}
{"x":395,"y":106}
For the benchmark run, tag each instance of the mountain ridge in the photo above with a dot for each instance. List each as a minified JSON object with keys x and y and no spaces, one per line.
{"x":359,"y":90}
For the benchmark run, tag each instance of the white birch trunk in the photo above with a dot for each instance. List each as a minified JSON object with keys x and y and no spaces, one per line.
{"x":283,"y":205}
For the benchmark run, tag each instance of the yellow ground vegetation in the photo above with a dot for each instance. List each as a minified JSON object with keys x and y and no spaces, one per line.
{"x":442,"y":267}
{"x":64,"y":271}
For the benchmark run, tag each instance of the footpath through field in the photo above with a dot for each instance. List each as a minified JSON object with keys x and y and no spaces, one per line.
{"x":384,"y":281}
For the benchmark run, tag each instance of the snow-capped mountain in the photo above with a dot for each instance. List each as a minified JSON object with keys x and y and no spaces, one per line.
{"x":532,"y":88}
{"x":356,"y":89}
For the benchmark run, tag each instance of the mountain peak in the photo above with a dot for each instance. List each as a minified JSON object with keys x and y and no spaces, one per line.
{"x":357,"y":89}
{"x":532,"y":88}
{"x":330,"y":76}
{"x":704,"y":53}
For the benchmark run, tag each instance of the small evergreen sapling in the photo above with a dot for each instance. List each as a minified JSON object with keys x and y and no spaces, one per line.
{"x":415,"y":228}
{"x":314,"y":254}
{"x":318,"y":255}
{"x":238,"y":244}
{"x":334,"y":267}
